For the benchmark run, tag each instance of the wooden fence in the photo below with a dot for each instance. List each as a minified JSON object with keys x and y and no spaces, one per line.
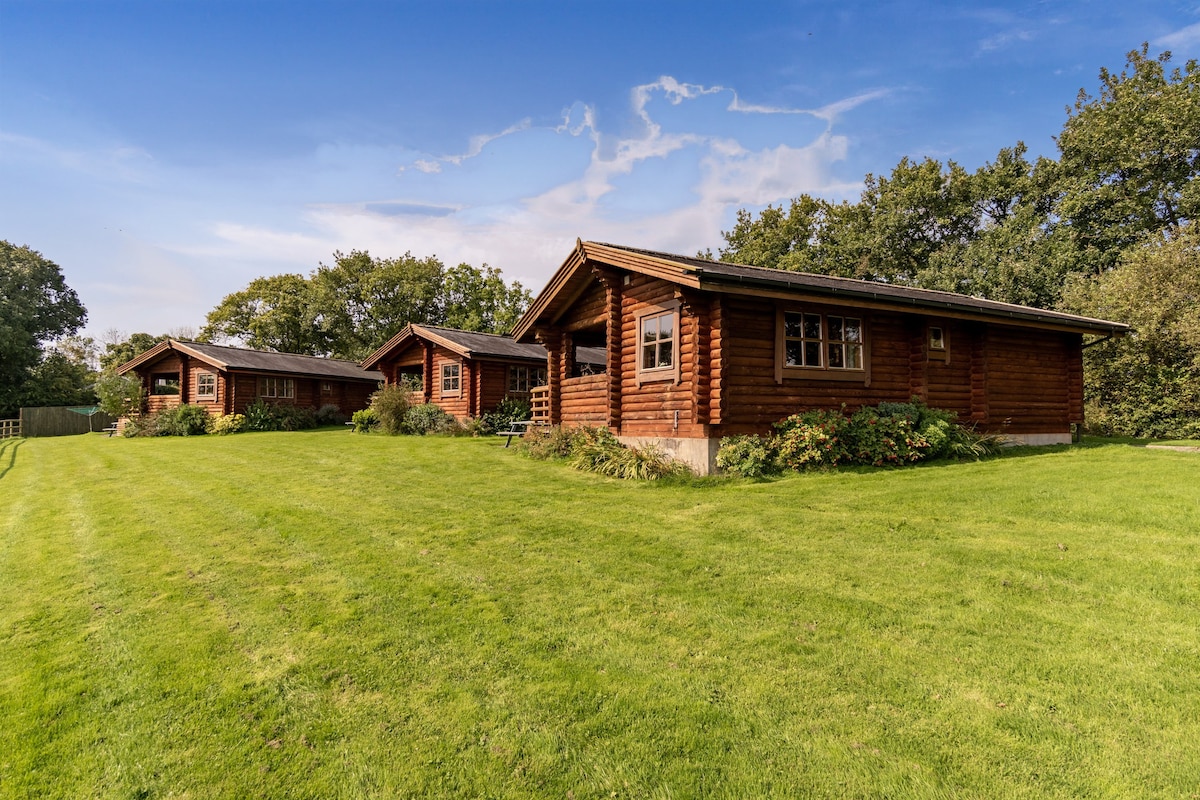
{"x":10,"y":428}
{"x":61,"y":421}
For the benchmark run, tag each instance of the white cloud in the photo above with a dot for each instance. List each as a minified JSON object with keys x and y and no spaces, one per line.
{"x":1181,"y":39}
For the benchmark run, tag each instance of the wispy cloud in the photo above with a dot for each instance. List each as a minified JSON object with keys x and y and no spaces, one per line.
{"x":1181,"y":39}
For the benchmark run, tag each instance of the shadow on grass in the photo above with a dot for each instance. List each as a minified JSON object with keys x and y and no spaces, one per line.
{"x":8,"y":452}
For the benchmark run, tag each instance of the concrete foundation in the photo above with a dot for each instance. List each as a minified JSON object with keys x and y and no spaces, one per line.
{"x":699,"y":454}
{"x":1037,"y":439}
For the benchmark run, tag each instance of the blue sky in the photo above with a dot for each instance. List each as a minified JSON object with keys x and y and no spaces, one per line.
{"x":165,"y":153}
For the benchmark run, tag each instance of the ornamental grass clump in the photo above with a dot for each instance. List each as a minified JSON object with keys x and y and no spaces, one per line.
{"x":597,"y":450}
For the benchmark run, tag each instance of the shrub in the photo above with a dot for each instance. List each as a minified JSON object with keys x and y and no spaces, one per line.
{"x":289,"y":417}
{"x":428,"y":418}
{"x":882,"y":440}
{"x":748,"y":456}
{"x":597,"y":450}
{"x":813,"y":439}
{"x":364,"y":421}
{"x":330,"y":414}
{"x":547,"y":443}
{"x":391,"y":405}
{"x":229,"y":423}
{"x":508,"y":411}
{"x":182,"y":420}
{"x":261,"y":417}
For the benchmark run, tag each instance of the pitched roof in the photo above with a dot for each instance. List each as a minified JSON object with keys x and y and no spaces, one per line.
{"x":698,"y":273}
{"x":246,"y":360}
{"x":468,"y":344}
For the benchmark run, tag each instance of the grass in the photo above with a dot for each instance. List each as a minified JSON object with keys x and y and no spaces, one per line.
{"x":327,"y":615}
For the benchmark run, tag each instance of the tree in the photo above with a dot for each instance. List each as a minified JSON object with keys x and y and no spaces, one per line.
{"x":1130,"y":158}
{"x":478,"y":299}
{"x":269,"y":314}
{"x":36,"y":307}
{"x":119,"y":395}
{"x":118,"y":351}
{"x":360,"y":302}
{"x":1146,"y":383}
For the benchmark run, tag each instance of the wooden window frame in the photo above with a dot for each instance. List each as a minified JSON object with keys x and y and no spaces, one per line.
{"x":657,"y":374}
{"x":200,"y":380}
{"x":519,"y":376}
{"x":456,"y":390}
{"x":277,"y":388}
{"x":936,"y":352}
{"x":824,"y":372}
{"x":168,"y":380}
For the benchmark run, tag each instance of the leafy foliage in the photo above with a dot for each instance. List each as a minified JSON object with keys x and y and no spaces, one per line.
{"x":427,"y":418}
{"x":889,"y":434}
{"x":36,"y":307}
{"x":182,"y":420}
{"x":228,"y":423}
{"x":365,"y":420}
{"x":507,"y":411}
{"x":389,"y":407}
{"x":120,"y":395}
{"x":597,"y":450}
{"x":351,"y":307}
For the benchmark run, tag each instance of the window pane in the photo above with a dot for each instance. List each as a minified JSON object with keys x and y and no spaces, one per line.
{"x":836,"y":357}
{"x":795,"y":354}
{"x":854,"y":356}
{"x":812,"y":326}
{"x":648,"y":356}
{"x":793,"y":326}
{"x":835,"y":329}
{"x":649,"y":330}
{"x":664,"y":354}
{"x":853,"y":330}
{"x":666,"y":326}
{"x":812,"y":354}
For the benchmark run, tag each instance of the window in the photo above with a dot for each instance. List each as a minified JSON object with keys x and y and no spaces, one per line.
{"x":164,"y":383}
{"x":937,"y":339}
{"x":822,"y":341}
{"x":206,"y":386}
{"x":326,"y":388}
{"x":522,"y":379}
{"x":657,"y":339}
{"x":450,"y":379}
{"x":282,"y":388}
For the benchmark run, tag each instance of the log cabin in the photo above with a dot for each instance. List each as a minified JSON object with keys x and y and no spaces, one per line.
{"x":466,"y":373}
{"x":696,"y":350}
{"x":225,"y":380}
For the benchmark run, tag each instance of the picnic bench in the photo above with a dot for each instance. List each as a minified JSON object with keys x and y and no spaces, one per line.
{"x":515,"y":428}
{"x":110,"y":430}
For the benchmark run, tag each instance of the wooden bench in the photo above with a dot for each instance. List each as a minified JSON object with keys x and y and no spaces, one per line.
{"x":110,"y":430}
{"x":515,"y":429}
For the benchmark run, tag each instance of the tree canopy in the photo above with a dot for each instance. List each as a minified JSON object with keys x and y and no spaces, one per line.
{"x":36,"y":307}
{"x":351,"y":307}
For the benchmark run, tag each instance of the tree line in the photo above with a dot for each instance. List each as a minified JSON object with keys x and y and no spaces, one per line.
{"x":1106,"y":229}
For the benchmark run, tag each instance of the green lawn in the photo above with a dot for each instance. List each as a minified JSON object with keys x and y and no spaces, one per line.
{"x":330,"y":615}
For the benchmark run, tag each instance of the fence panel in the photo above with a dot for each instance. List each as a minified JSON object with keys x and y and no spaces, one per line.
{"x":61,"y":421}
{"x":10,"y":428}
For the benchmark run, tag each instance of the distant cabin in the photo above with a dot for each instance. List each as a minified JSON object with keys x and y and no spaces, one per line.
{"x":466,"y":373}
{"x":225,"y":380}
{"x":696,"y":350}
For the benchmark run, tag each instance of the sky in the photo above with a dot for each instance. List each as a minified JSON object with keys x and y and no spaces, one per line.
{"x":165,"y":153}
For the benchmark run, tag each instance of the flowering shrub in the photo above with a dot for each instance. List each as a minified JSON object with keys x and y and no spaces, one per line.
{"x":229,"y":423}
{"x":889,"y":434}
{"x":748,"y":456}
{"x":813,"y":439}
{"x":364,"y":421}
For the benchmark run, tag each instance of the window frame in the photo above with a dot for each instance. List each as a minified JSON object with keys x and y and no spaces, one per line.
{"x":169,"y":380}
{"x":518,"y":376}
{"x":938,"y":349}
{"x":201,"y":376}
{"x":270,"y":385}
{"x":667,"y":373}
{"x":456,"y":389}
{"x":823,"y":372}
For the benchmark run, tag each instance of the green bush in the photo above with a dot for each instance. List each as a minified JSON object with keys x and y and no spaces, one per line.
{"x":294,"y":418}
{"x":229,"y":423}
{"x":183,"y":420}
{"x":888,"y":434}
{"x":391,"y":405}
{"x":428,"y":418}
{"x":748,"y":456}
{"x":548,"y":443}
{"x":260,"y":416}
{"x":813,"y":439}
{"x":330,"y":414}
{"x":364,"y":421}
{"x":508,"y":411}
